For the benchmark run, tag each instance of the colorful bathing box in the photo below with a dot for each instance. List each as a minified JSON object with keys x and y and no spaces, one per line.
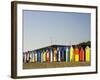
{"x":58,"y":53}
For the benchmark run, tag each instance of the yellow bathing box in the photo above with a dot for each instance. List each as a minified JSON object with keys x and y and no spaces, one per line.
{"x":87,"y":54}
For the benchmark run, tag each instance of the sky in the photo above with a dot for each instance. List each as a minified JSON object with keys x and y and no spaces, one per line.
{"x":45,"y":28}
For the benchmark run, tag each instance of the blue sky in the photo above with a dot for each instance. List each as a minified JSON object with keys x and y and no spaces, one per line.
{"x":44,"y":28}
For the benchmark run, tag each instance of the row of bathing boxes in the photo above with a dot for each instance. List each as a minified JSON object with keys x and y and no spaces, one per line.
{"x":58,"y":53}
